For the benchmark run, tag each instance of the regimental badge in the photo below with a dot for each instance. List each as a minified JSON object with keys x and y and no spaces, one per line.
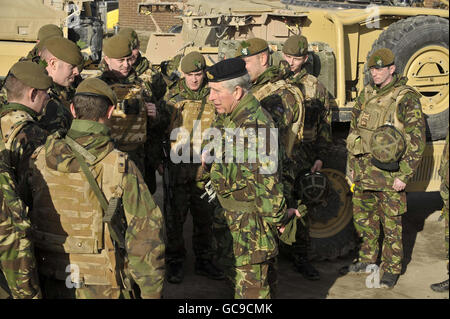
{"x":209,"y":75}
{"x":197,"y":64}
{"x":244,"y":51}
{"x":379,"y":61}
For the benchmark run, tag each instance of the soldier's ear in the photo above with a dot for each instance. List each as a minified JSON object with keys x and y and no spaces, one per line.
{"x":110,"y":111}
{"x":392,"y":69}
{"x":72,"y":110}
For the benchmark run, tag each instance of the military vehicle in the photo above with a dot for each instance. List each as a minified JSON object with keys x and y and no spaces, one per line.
{"x":21,"y":20}
{"x":341,"y":36}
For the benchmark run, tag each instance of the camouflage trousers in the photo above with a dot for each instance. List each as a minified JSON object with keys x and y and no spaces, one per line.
{"x":371,"y":211}
{"x":299,"y":248}
{"x":186,"y":198}
{"x":254,"y":281}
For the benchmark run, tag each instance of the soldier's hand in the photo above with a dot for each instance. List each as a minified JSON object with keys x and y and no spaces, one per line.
{"x":398,"y":185}
{"x":317,"y":166}
{"x":151,"y":109}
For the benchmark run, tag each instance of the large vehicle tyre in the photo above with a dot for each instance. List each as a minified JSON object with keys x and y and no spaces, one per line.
{"x":420,"y":45}
{"x":332,"y":231}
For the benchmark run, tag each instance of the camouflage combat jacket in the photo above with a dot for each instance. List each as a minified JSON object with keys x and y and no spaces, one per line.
{"x":184,"y":107}
{"x":444,"y":172}
{"x":287,"y":113}
{"x":410,"y":117}
{"x":253,"y":202}
{"x":317,"y":126}
{"x":74,"y":233}
{"x":20,"y":136}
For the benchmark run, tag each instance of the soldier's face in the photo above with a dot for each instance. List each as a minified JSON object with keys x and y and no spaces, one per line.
{"x":121,"y":67}
{"x":295,"y":62}
{"x":255,"y":65}
{"x":382,"y":76}
{"x":224,"y":100}
{"x":134,"y":55}
{"x":194,"y":80}
{"x":63,"y":73}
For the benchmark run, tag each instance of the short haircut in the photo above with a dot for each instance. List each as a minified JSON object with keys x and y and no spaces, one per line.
{"x":241,"y":81}
{"x":45,"y":54}
{"x":88,"y":107}
{"x":15,"y":90}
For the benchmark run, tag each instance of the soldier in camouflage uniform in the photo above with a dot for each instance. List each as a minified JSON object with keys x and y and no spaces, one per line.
{"x":64,"y":62}
{"x":444,"y":173}
{"x":250,"y":196}
{"x":155,"y":82}
{"x":309,"y":152}
{"x":26,"y":85}
{"x":379,"y":171}
{"x":283,"y":101}
{"x":136,"y":115}
{"x":93,"y":211}
{"x":187,"y":102}
{"x":45,"y":32}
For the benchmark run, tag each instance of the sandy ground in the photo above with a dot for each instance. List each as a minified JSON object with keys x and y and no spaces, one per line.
{"x":424,"y":264}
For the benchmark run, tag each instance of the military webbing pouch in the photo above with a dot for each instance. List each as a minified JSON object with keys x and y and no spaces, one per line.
{"x":354,"y":144}
{"x":236,"y":206}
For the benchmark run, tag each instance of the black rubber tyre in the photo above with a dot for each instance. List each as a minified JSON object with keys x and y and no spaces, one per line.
{"x":407,"y":37}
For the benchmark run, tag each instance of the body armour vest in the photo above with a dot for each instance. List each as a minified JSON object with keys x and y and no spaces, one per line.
{"x":128,"y":122}
{"x":195,"y":116}
{"x":295,"y":132}
{"x":67,"y":221}
{"x":377,"y":110}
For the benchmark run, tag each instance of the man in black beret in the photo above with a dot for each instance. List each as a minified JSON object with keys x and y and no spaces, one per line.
{"x":26,"y":85}
{"x":248,"y":188}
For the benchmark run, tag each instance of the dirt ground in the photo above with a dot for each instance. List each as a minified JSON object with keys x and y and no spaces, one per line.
{"x":425,"y":263}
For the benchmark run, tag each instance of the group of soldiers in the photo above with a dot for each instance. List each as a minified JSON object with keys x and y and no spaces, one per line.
{"x":79,"y":156}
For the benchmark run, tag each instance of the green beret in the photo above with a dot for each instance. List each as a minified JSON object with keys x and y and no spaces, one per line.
{"x":226,"y":70}
{"x":48,"y":31}
{"x":96,"y":87}
{"x":296,"y":45}
{"x":65,"y":50}
{"x":193,"y":62}
{"x":381,"y":58}
{"x":117,"y":47}
{"x":31,"y":74}
{"x":251,"y":47}
{"x":131,"y":35}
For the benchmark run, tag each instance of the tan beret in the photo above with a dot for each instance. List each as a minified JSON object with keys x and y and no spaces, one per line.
{"x":65,"y":50}
{"x":48,"y":31}
{"x":193,"y":62}
{"x":96,"y":87}
{"x":31,"y":74}
{"x":251,"y":47}
{"x":381,"y":58}
{"x":117,"y":47}
{"x":296,"y":45}
{"x":131,"y":35}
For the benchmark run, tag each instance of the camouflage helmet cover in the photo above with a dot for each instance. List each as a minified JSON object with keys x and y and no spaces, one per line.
{"x":387,"y":145}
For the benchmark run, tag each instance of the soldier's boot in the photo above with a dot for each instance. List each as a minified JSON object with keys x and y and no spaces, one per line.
{"x":388,"y":280}
{"x":304,"y":267}
{"x":175,"y":272}
{"x":355,"y":268}
{"x":440,"y":286}
{"x":205,"y":267}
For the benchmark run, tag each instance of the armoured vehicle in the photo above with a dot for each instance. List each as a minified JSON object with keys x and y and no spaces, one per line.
{"x":21,"y":20}
{"x":341,"y":36}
